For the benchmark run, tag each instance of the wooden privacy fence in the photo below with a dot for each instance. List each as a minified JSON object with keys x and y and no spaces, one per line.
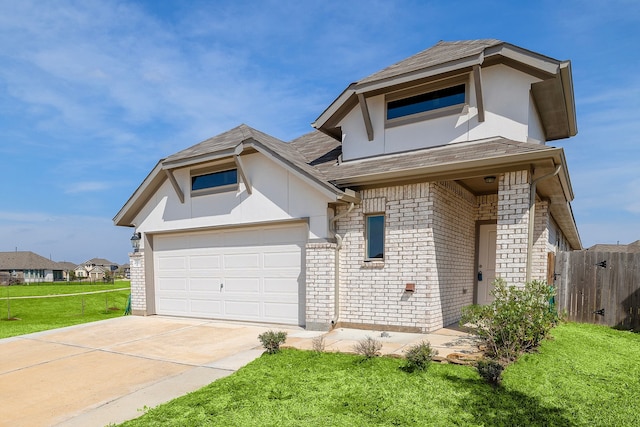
{"x":599,"y":287}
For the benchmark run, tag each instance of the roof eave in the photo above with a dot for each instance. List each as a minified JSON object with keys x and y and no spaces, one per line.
{"x":139,"y":197}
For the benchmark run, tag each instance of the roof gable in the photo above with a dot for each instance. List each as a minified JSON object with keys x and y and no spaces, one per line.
{"x":553,"y":95}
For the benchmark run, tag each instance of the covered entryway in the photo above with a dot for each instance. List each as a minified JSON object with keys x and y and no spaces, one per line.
{"x":252,"y":274}
{"x":486,"y":271}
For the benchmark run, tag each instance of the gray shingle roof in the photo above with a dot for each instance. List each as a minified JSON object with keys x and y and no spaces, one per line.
{"x":26,"y":260}
{"x":243,"y":133}
{"x":439,"y":54}
{"x":322,"y":151}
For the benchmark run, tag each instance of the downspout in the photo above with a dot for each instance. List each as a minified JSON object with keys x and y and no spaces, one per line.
{"x":532,"y":217}
{"x":336,"y":290}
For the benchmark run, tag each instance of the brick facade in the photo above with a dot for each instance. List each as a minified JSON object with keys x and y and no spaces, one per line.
{"x":320,"y":286}
{"x":429,"y":241}
{"x":512,"y":229}
{"x":138,"y":289}
{"x":540,"y":239}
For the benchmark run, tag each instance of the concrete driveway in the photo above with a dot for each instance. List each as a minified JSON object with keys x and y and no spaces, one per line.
{"x":103,"y":372}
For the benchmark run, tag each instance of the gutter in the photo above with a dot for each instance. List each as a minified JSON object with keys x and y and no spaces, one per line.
{"x":532,"y":217}
{"x":336,"y":290}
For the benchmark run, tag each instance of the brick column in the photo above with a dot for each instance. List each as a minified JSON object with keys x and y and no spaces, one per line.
{"x":320,"y":289}
{"x":138,"y":290}
{"x":512,"y":230}
{"x":541,"y":240}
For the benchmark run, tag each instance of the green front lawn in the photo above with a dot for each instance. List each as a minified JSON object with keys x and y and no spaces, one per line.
{"x":586,"y":376}
{"x":23,"y":316}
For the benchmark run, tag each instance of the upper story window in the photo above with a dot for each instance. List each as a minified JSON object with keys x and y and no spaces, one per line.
{"x":214,"y":182}
{"x":424,"y":102}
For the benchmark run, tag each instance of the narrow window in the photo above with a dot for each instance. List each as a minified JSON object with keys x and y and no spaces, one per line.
{"x":375,"y":236}
{"x":214,"y":180}
{"x":424,"y":102}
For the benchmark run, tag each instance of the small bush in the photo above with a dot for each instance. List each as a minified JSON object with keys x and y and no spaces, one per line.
{"x":368,"y":347}
{"x":419,"y":356}
{"x":516,"y":321}
{"x":271,"y":340}
{"x":490,"y":371}
{"x":318,"y":344}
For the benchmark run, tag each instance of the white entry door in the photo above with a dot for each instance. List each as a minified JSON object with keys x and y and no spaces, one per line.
{"x":486,"y":271}
{"x":253,"y":274}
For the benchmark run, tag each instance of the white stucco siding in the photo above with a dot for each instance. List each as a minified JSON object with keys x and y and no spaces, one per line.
{"x":278,"y":194}
{"x":536,"y":131}
{"x":356,"y":143}
{"x":509,"y":112}
{"x":506,"y":96}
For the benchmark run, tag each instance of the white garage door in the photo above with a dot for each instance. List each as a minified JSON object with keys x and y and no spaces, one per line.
{"x":253,"y":274}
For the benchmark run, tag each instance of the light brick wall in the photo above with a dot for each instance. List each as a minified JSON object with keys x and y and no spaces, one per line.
{"x":320,"y":274}
{"x":487,"y":206}
{"x":512,"y":229}
{"x":540,"y":239}
{"x":138,"y":290}
{"x":429,"y":241}
{"x":374,"y":292}
{"x":454,"y":239}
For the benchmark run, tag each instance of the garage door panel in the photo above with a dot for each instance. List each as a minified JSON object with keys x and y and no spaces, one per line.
{"x":172,"y":284}
{"x":261,"y":270}
{"x":242,"y":308}
{"x":275,"y":311}
{"x":290,"y":259}
{"x":207,"y":284}
{"x":173,"y":305}
{"x":206,"y":307}
{"x":280,"y":285}
{"x":168,"y":263}
{"x":205,"y":262}
{"x":242,"y":261}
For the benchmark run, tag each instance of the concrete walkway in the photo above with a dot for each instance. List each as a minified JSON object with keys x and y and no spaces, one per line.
{"x":107,"y":372}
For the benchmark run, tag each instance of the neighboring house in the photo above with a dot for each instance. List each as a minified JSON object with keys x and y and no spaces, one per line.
{"x":28,"y":267}
{"x":95,"y":269}
{"x":414,"y":192}
{"x":68,"y":267}
{"x":633,"y":247}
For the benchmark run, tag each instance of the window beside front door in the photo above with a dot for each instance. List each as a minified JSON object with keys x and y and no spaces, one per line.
{"x":374,"y":237}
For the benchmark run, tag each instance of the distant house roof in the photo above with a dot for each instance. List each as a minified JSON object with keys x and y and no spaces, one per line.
{"x":27,"y":260}
{"x":630,"y":248}
{"x":67,"y":266}
{"x":99,"y":261}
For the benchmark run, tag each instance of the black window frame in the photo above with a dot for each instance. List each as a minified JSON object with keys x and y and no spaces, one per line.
{"x":379,"y":239}
{"x":213,"y":182}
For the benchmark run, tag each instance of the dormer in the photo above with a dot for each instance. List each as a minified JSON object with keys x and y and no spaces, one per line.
{"x":454,"y":92}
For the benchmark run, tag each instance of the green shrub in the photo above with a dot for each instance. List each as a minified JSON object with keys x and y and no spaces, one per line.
{"x":490,"y":371}
{"x":271,"y":340}
{"x":368,"y":347}
{"x":419,"y":356}
{"x":516,"y":321}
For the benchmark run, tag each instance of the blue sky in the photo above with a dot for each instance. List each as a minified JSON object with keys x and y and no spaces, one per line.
{"x":94,"y":93}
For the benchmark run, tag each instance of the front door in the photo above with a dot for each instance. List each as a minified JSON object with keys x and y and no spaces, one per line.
{"x":486,"y":271}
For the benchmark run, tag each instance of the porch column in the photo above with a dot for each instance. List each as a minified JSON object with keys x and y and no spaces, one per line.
{"x":540,"y":241}
{"x":320,"y":285}
{"x":512,"y":229}
{"x":138,"y":290}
